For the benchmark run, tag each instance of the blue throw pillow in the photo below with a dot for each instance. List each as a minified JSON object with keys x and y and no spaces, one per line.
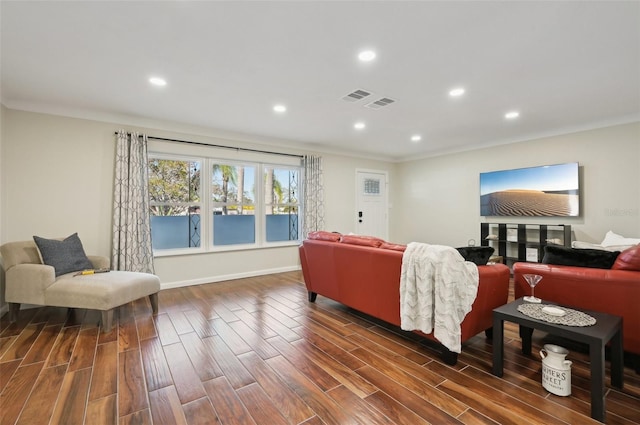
{"x":65,"y":256}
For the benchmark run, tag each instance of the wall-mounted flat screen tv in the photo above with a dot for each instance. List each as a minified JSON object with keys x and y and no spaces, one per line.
{"x":543,"y":191}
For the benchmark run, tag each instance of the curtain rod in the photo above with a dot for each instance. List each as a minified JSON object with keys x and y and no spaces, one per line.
{"x":220,"y":146}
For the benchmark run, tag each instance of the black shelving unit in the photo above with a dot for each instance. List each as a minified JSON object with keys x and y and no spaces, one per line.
{"x":523,"y":242}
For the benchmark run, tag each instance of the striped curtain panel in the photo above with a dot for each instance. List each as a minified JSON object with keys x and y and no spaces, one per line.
{"x":131,"y":249}
{"x":313,"y":195}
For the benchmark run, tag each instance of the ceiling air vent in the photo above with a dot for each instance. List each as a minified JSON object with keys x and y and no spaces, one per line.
{"x":380,"y":103}
{"x":356,"y":95}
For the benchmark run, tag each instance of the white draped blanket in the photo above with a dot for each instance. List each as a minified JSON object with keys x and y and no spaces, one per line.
{"x":437,"y":289}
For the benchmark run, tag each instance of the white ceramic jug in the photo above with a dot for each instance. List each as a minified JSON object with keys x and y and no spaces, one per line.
{"x":556,"y":370}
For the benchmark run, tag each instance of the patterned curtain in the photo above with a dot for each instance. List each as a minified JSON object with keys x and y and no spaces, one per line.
{"x":131,"y":248}
{"x":313,"y":195}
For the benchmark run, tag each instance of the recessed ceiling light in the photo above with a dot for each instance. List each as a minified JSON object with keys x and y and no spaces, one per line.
{"x":511,"y":115}
{"x":157,"y":81}
{"x":459,"y":91}
{"x":367,"y":55}
{"x":416,"y":138}
{"x":359,"y":125}
{"x":280,"y":108}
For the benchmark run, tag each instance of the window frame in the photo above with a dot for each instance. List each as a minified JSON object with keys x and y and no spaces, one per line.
{"x":185,"y":158}
{"x":210,"y":234}
{"x":298,"y":205}
{"x":207,"y":204}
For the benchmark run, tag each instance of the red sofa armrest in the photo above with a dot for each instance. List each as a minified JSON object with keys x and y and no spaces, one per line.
{"x":605,"y":290}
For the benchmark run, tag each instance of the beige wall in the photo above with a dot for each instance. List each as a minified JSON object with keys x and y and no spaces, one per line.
{"x":440,"y":195}
{"x":57,"y":174}
{"x":340,"y":190}
{"x":2,"y":195}
{"x":56,"y":179}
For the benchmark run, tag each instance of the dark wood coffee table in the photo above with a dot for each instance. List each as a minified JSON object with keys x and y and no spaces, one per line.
{"x":607,"y":328}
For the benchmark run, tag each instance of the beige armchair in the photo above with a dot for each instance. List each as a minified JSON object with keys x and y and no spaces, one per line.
{"x":28,"y":281}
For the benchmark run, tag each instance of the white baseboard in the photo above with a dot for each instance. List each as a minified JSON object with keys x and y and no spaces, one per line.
{"x":221,"y":278}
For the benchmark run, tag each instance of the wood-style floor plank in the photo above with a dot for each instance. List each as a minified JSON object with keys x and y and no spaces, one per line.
{"x":200,"y":324}
{"x":313,"y":396}
{"x":229,"y":408}
{"x":203,"y":362}
{"x":39,"y":407}
{"x":255,"y":351}
{"x":85,"y":349}
{"x":132,"y":392}
{"x":357,"y":407}
{"x":423,"y":407}
{"x":156,"y":369}
{"x":72,"y":400}
{"x":253,"y":340}
{"x":166,"y":331}
{"x":200,"y":412}
{"x":259,"y":405}
{"x":16,"y":328}
{"x":166,"y":407}
{"x":141,"y":417}
{"x":22,"y":345}
{"x":103,"y":411}
{"x":17,"y":391}
{"x":127,"y":334}
{"x":288,"y":403}
{"x":231,"y":367}
{"x":394,"y":410}
{"x":187,"y":382}
{"x":146,"y":327}
{"x":43,"y":345}
{"x":63,"y":347}
{"x":7,"y":342}
{"x":7,"y":369}
{"x":104,"y":381}
{"x":337,"y":370}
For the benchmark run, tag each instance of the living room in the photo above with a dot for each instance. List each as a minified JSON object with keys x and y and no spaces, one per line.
{"x":57,"y":158}
{"x":442,"y":192}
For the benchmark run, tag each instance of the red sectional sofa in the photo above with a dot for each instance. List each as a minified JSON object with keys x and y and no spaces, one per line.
{"x":614,"y":291}
{"x":364,"y":274}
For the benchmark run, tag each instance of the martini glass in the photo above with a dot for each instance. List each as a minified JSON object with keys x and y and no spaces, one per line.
{"x":532,"y":280}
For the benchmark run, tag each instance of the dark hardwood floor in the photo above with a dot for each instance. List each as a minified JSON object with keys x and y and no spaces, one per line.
{"x":255,"y":351}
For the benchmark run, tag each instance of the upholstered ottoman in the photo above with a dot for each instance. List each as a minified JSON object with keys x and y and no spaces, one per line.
{"x":103,"y":291}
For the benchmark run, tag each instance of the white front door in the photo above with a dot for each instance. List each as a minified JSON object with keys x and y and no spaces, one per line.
{"x":371,"y":204}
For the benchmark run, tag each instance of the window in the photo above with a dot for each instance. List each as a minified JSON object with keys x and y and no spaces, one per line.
{"x":233,"y":202}
{"x":281,"y":203}
{"x":174,"y":191}
{"x":201,"y":204}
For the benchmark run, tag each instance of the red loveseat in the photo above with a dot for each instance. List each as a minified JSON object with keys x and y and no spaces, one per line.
{"x":364,"y":274}
{"x":614,"y":291}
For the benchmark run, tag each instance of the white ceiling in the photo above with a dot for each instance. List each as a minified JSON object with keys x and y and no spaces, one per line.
{"x":564,"y":65}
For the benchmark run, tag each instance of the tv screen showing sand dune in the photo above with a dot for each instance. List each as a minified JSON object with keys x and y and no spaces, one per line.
{"x":546,"y":191}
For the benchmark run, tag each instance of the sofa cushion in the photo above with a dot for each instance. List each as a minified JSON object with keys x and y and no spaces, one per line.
{"x":629,"y":259}
{"x":393,"y":246}
{"x":613,"y":239}
{"x":589,"y":245}
{"x":321,"y":235}
{"x":479,"y":255}
{"x":362,"y":240}
{"x":65,"y":255}
{"x":102,"y":291}
{"x":594,"y":258}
